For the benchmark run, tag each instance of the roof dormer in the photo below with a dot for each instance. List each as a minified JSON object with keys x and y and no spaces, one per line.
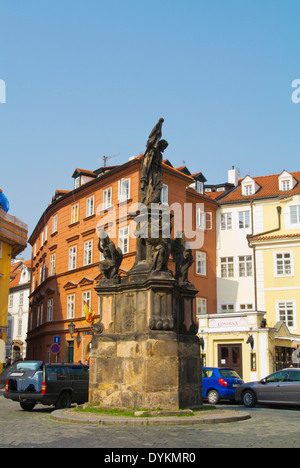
{"x":286,"y":181}
{"x":249,"y":186}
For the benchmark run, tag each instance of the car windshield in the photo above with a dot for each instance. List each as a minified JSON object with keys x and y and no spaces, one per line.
{"x":29,"y":365}
{"x":229,"y":374}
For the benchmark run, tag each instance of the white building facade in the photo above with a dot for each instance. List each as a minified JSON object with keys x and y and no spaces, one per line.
{"x":18,"y":307}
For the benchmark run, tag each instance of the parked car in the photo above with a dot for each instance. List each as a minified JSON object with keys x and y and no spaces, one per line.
{"x":4,"y":376}
{"x":219,"y":383}
{"x":33,"y":382}
{"x":282,"y":387}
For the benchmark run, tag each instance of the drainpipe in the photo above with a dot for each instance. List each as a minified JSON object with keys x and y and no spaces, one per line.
{"x":250,"y":236}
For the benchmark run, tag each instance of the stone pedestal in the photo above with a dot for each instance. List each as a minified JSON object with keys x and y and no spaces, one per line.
{"x":145,"y":352}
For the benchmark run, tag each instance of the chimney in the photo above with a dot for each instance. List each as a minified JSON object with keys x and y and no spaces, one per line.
{"x":233,"y":176}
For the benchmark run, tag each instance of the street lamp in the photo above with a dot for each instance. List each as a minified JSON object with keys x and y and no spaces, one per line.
{"x":71,"y":328}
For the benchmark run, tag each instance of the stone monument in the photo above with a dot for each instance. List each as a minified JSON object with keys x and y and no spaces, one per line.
{"x":145,"y":352}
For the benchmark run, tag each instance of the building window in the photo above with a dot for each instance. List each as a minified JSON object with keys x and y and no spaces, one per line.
{"x":50,"y":310}
{"x":86,"y":298}
{"x":19,"y":327}
{"x":244,"y":307}
{"x":21,"y":299}
{"x":245,"y":265}
{"x":11,"y":300}
{"x":42,"y":314}
{"x":226,"y":221}
{"x":295,"y":214}
{"x":199,"y":187}
{"x":88,"y":253}
{"x":201,"y":263}
{"x":286,"y":312}
{"x":285,"y":185}
{"x":77,"y":182}
{"x":227,"y":267}
{"x":90,"y":206}
{"x":72,"y":257}
{"x":284,"y":264}
{"x":54,"y":224}
{"x":71,"y":306}
{"x":124,"y":240}
{"x":52,"y":265}
{"x":124,"y":189}
{"x":201,"y":306}
{"x":244,"y":219}
{"x":74,"y":214}
{"x":164,"y":196}
{"x":107,"y":198}
{"x":248,"y":189}
{"x":201,"y":219}
{"x":227,"y":307}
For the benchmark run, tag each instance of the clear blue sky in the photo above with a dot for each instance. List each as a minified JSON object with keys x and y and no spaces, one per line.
{"x":87,"y":78}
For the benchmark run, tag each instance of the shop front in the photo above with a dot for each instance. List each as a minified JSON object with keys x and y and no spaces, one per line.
{"x":244,"y":342}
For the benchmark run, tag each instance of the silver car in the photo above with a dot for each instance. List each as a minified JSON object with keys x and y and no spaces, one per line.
{"x":282,"y":387}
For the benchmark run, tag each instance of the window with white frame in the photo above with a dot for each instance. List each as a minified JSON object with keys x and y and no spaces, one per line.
{"x":285,"y":185}
{"x":200,"y":219}
{"x":71,"y":306}
{"x":88,"y":253}
{"x":284,"y":265}
{"x":19,"y":326}
{"x":124,"y":239}
{"x":248,"y":189}
{"x":124,"y":189}
{"x":245,"y":265}
{"x":54,"y":224}
{"x":86,"y":298}
{"x":11,"y":300}
{"x":107,"y":198}
{"x":72,"y":257}
{"x":246,"y":307}
{"x":43,"y":272}
{"x":89,"y":206}
{"x":227,"y":267}
{"x":295,"y":214}
{"x":21,"y":299}
{"x":201,"y":263}
{"x":52,"y":265}
{"x":201,"y":304}
{"x":286,"y":312}
{"x":50,"y":310}
{"x":244,"y":219}
{"x":199,"y":187}
{"x":227,"y":307}
{"x":164,"y":196}
{"x":46,"y":233}
{"x":74,"y":214}
{"x":226,"y":221}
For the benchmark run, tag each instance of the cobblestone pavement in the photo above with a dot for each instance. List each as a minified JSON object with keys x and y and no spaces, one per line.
{"x":268,"y":427}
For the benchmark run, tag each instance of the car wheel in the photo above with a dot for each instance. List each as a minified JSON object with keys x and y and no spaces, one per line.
{"x":64,"y":401}
{"x":27,"y":405}
{"x":213,"y":397}
{"x":249,"y":399}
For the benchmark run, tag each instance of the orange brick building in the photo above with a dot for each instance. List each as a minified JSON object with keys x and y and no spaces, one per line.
{"x":65,"y":255}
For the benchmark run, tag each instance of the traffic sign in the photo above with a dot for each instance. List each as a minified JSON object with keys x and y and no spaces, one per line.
{"x":56,"y":340}
{"x":55,"y":348}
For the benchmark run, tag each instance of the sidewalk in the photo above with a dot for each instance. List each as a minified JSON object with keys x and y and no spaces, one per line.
{"x":199,"y":417}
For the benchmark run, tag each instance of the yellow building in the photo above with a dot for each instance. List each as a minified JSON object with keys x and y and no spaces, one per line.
{"x":13,"y":240}
{"x":256,"y":327}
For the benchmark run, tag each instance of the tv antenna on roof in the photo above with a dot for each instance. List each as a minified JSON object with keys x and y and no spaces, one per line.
{"x":106,"y":158}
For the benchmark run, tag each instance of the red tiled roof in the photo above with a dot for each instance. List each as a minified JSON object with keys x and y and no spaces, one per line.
{"x":269,"y":187}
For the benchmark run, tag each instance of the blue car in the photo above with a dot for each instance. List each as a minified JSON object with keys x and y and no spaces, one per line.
{"x":219,"y":383}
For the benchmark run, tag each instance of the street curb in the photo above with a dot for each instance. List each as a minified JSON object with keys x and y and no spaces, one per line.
{"x":218,"y":416}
